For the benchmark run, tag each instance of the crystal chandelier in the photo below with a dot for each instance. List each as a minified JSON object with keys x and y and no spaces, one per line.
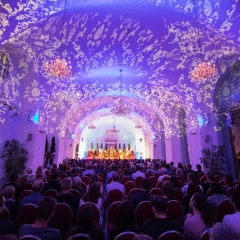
{"x":204,"y":71}
{"x":138,"y":125}
{"x":121,"y":109}
{"x":91,"y":126}
{"x":114,"y":129}
{"x":58,"y":68}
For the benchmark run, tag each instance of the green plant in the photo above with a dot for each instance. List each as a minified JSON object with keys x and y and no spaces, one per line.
{"x":214,"y":159}
{"x":46,"y":146}
{"x":16,"y":156}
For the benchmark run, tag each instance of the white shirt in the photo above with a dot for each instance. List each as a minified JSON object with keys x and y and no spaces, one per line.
{"x":88,"y":171}
{"x":185,"y":187}
{"x":233,"y":221}
{"x":138,"y":174}
{"x":115,"y":185}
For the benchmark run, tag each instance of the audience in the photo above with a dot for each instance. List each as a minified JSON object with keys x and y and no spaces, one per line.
{"x":161,"y":223}
{"x":115,"y":184}
{"x":111,"y":172}
{"x":94,"y":178}
{"x":199,"y":169}
{"x":200,"y":221}
{"x":35,"y":196}
{"x":88,"y":171}
{"x":31,"y":178}
{"x":138,"y":173}
{"x":175,"y":183}
{"x":222,"y":231}
{"x":168,"y":191}
{"x":191,"y":178}
{"x":207,"y":184}
{"x":40,"y":228}
{"x":53,"y":184}
{"x":76,"y":184}
{"x":228,"y":182}
{"x":39,"y":170}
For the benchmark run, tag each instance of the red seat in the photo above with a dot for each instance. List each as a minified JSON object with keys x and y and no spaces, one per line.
{"x":126,"y":236}
{"x":175,"y":210}
{"x":143,"y":212}
{"x":181,"y":184}
{"x":229,"y":190}
{"x":29,"y":237}
{"x":157,"y":175}
{"x":112,"y":215}
{"x":154,"y":181}
{"x":109,"y":180}
{"x":160,"y":185}
{"x":101,"y":175}
{"x":203,"y":179}
{"x":224,"y":208}
{"x":114,"y":196}
{"x":166,"y":178}
{"x":101,"y":180}
{"x":27,"y":186}
{"x":5,"y":215}
{"x":199,"y":176}
{"x":209,"y":193}
{"x":75,"y":193}
{"x":138,"y":181}
{"x":62,"y":218}
{"x":80,"y":236}
{"x":125,"y":179}
{"x":84,"y":187}
{"x":217,"y":179}
{"x":88,"y":175}
{"x":156,"y":192}
{"x":8,"y":237}
{"x":23,"y":180}
{"x":51,"y":193}
{"x":86,"y":180}
{"x":27,"y":214}
{"x":49,"y":177}
{"x":147,"y":175}
{"x":178,"y":195}
{"x":222,"y":182}
{"x":236,"y":182}
{"x":95,"y":210}
{"x":205,"y":235}
{"x":24,"y":194}
{"x":129,"y":186}
{"x":171,"y":235}
{"x":39,"y":176}
{"x":63,"y":175}
{"x":132,"y":192}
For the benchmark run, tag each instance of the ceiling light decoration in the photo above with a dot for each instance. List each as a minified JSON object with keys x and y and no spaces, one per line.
{"x":204,"y":70}
{"x":138,"y":125}
{"x":59,"y":68}
{"x":91,"y":126}
{"x":114,"y":129}
{"x":121,"y":109}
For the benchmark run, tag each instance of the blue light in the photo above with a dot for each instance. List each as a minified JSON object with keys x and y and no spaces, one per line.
{"x":35,"y":117}
{"x":72,"y":136}
{"x":200,"y":120}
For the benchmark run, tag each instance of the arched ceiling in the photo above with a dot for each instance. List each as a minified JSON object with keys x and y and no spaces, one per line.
{"x":154,"y":42}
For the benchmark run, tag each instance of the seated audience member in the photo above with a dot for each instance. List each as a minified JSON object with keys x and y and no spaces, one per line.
{"x":125,"y":220}
{"x":191,"y":178}
{"x":85,"y":224}
{"x":164,"y":175}
{"x":207,"y":184}
{"x":31,"y":178}
{"x":112,"y":170}
{"x":233,"y":219}
{"x":94,"y":178}
{"x":6,"y":227}
{"x":126,"y":173}
{"x":76,"y":184}
{"x":221,"y":231}
{"x":40,"y":228}
{"x":228,"y":182}
{"x":55,"y":169}
{"x":67,"y":197}
{"x":169,"y":171}
{"x":172,"y":167}
{"x":28,"y":171}
{"x":88,"y":170}
{"x":53,"y":184}
{"x":13,"y":182}
{"x":8,"y":192}
{"x":217,"y":197}
{"x":93,"y":195}
{"x":200,"y":221}
{"x":188,"y":170}
{"x":161,"y":223}
{"x":143,"y":195}
{"x":39,"y":170}
{"x":156,"y":170}
{"x":168,"y":191}
{"x":192,"y":189}
{"x":138,"y":173}
{"x":174,"y":181}
{"x":179,"y":173}
{"x":115,"y":184}
{"x":199,"y":169}
{"x":35,"y":196}
{"x":47,"y":170}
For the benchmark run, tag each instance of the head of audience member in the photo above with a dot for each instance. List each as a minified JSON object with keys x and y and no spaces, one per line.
{"x":192,"y":189}
{"x":157,"y":166}
{"x":8,"y":192}
{"x":39,"y":170}
{"x":66,"y":185}
{"x":45,"y":211}
{"x":115,"y":177}
{"x":54,"y":167}
{"x":28,"y":171}
{"x":199,"y":204}
{"x":235,"y":200}
{"x":189,"y":166}
{"x":76,"y":182}
{"x":142,"y":237}
{"x":64,"y":168}
{"x":138,"y":167}
{"x":172,"y":164}
{"x":126,"y":171}
{"x":85,"y":218}
{"x":221,"y":231}
{"x":132,"y":168}
{"x":94,"y":178}
{"x":228,"y":179}
{"x":180,"y":165}
{"x":159,"y":207}
{"x":37,"y":186}
{"x":89,"y":166}
{"x":54,"y":176}
{"x":146,"y":185}
{"x":93,"y":193}
{"x":126,"y":215}
{"x":13,"y":178}
{"x":179,"y":172}
{"x":2,"y":202}
{"x":217,"y":188}
{"x":199,"y":167}
{"x":168,"y":190}
{"x":210,"y":177}
{"x":49,"y":167}
{"x":73,"y":171}
{"x":192,"y":178}
{"x":174,"y":181}
{"x":31,"y":177}
{"x":163,"y":171}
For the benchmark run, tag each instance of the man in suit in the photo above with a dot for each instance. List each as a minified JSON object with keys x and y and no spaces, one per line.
{"x":53,"y":184}
{"x":143,"y":195}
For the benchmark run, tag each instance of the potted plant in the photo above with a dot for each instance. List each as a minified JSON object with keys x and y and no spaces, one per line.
{"x":52,"y":150}
{"x":16,"y":156}
{"x":214,"y":159}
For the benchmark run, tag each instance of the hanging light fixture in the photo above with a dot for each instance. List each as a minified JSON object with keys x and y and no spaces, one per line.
{"x":92,"y":126}
{"x":204,"y":70}
{"x":59,"y":68}
{"x":121,"y":109}
{"x":114,"y":129}
{"x":138,"y":124}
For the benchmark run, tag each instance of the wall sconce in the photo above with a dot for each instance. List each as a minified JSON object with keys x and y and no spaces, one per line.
{"x":140,"y":140}
{"x":82,"y":139}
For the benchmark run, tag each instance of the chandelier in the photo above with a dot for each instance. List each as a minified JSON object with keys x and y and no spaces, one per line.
{"x":114,"y":129}
{"x":91,"y":126}
{"x":204,"y":71}
{"x":138,"y":125}
{"x":121,"y":109}
{"x":58,"y":68}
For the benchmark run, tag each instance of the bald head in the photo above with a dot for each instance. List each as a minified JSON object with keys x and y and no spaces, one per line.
{"x":66,"y":184}
{"x":8,"y":192}
{"x":37,"y":185}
